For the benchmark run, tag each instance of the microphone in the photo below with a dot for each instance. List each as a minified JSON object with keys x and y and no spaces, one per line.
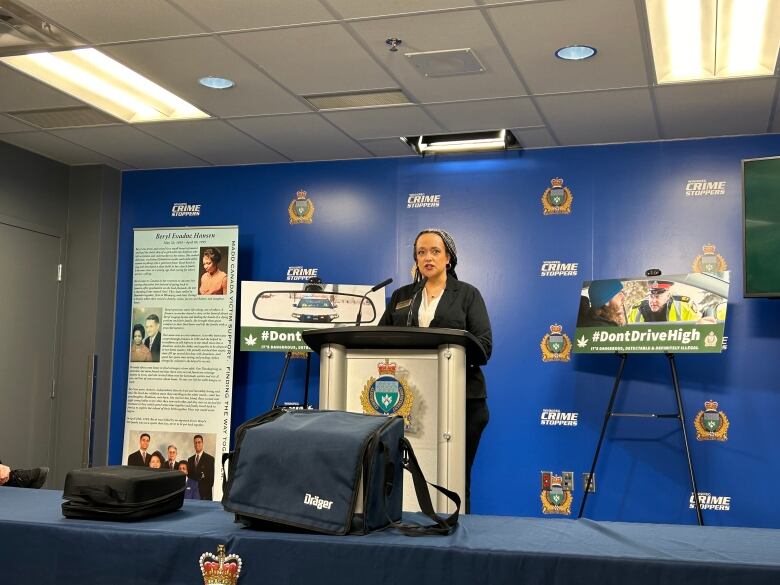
{"x":420,"y":286}
{"x":374,"y":288}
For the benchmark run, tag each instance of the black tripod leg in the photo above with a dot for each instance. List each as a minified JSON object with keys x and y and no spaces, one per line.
{"x":607,"y":415}
{"x":287,"y":358}
{"x":306,"y":384}
{"x":685,"y":437}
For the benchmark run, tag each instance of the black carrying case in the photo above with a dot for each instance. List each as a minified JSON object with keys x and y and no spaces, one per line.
{"x":119,"y":493}
{"x":333,"y":472}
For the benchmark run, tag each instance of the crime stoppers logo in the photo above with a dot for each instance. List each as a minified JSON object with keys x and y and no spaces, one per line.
{"x":185,"y":210}
{"x":556,"y":345}
{"x":301,"y":209}
{"x":418,"y":200}
{"x":558,"y":268}
{"x":552,"y":417}
{"x":709,"y":502}
{"x":301,"y":273}
{"x":711,"y":424}
{"x":557,"y":198}
{"x":556,"y":492}
{"x":387,"y":394}
{"x":704,"y":188}
{"x":709,"y":260}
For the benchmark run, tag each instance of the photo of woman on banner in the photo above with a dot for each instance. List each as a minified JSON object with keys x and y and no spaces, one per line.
{"x":213,"y":280}
{"x":138,"y":351}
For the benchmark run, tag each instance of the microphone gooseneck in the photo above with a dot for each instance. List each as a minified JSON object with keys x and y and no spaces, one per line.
{"x":374,"y":288}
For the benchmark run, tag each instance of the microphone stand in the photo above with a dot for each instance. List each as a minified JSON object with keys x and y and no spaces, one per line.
{"x":414,"y":297}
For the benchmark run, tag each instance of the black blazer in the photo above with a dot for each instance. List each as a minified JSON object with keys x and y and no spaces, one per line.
{"x":155,"y":347}
{"x":461,"y":307}
{"x":203,"y":473}
{"x":138,"y":461}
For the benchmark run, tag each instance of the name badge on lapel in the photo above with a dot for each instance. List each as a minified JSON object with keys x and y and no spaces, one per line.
{"x":403,"y":304}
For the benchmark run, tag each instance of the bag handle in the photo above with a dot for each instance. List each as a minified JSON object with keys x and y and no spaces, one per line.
{"x":443,"y":526}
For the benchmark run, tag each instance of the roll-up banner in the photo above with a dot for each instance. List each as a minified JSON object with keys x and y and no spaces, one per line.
{"x":180,"y":377}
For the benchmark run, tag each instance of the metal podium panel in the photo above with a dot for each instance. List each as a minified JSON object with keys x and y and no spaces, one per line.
{"x":433,"y":386}
{"x":419,"y":373}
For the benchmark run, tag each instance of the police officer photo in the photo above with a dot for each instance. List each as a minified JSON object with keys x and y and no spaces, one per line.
{"x":661,"y":305}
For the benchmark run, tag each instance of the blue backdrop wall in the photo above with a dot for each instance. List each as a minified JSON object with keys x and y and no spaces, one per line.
{"x":634,"y":206}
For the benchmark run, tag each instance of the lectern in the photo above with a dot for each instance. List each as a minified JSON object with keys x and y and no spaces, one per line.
{"x":417,"y":373}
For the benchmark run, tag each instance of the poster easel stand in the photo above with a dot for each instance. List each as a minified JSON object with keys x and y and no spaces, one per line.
{"x":287,"y":358}
{"x":679,"y":415}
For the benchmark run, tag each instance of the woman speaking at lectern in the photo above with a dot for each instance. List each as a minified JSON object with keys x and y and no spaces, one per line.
{"x":437,"y":298}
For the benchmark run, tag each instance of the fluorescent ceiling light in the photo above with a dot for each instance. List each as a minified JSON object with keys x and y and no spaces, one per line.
{"x":575,"y":52}
{"x":467,"y":142}
{"x":713,"y":39}
{"x":94,"y":78}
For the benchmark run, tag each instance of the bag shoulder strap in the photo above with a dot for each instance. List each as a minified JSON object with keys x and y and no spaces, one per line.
{"x":443,"y":526}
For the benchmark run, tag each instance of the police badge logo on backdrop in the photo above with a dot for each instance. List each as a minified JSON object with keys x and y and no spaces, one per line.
{"x":556,"y":345}
{"x":388,"y":394}
{"x":711,"y":424}
{"x":301,"y":209}
{"x":556,"y":492}
{"x":709,"y":261}
{"x":557,"y":198}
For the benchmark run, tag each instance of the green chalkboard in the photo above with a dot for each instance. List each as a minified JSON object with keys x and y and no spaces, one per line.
{"x":761,"y":205}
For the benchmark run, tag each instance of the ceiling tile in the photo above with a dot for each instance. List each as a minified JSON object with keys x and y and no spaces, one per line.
{"x":214,"y":141}
{"x":486,"y":114}
{"x":187,"y":60}
{"x":388,"y":147}
{"x":246,"y":14}
{"x":384,"y":122}
{"x":130,"y":146}
{"x":598,"y":117}
{"x":302,"y":137}
{"x":59,"y":149}
{"x":534,"y":31}
{"x":435,"y":32}
{"x":310,"y":60}
{"x":102,"y":21}
{"x":358,"y":8}
{"x":715,"y":108}
{"x":533,"y":137}
{"x":8,"y":124}
{"x":20,"y":92}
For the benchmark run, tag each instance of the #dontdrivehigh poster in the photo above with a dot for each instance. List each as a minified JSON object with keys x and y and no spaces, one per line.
{"x":180,"y":377}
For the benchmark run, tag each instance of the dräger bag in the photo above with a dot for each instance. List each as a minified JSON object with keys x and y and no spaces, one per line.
{"x":328,"y":471}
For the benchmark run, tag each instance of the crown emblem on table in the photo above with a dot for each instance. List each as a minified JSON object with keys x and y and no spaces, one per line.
{"x":711,"y":406}
{"x":387,"y":368}
{"x":708,"y":249}
{"x":556,"y":329}
{"x":220,"y":569}
{"x":557,"y":182}
{"x":301,"y":194}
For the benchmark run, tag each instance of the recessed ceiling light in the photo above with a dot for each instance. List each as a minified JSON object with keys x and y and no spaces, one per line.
{"x":575,"y":52}
{"x":463,"y":142}
{"x":712,"y":39}
{"x":103,"y":83}
{"x":216,"y":82}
